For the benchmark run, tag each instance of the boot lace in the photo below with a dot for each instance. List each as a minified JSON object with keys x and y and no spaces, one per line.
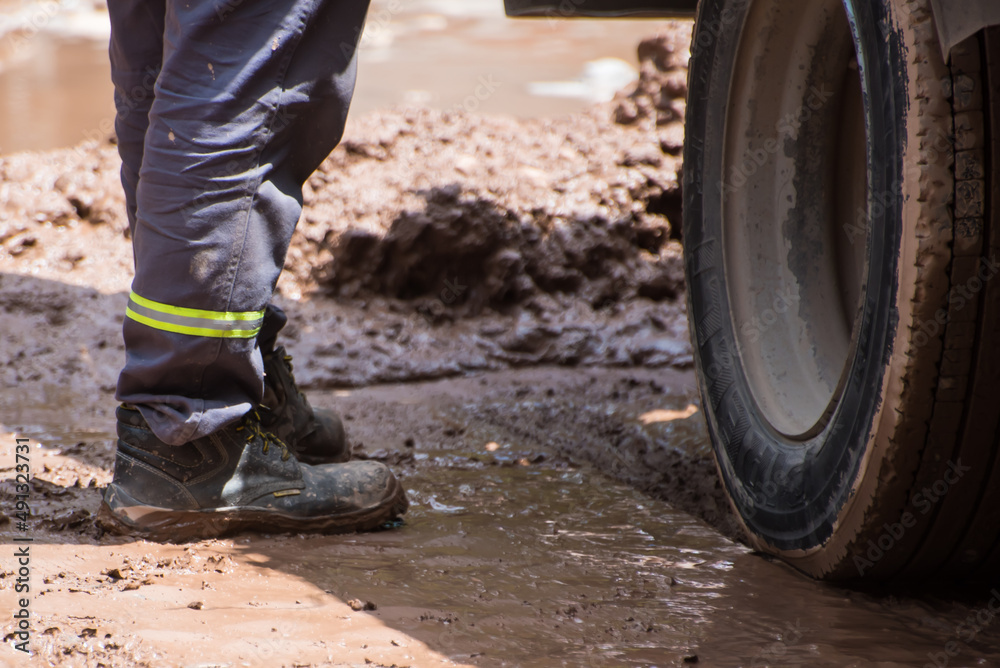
{"x":252,"y":426}
{"x":287,"y":359}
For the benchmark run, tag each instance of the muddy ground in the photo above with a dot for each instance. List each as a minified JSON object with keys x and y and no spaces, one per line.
{"x":432,"y":245}
{"x":496,"y":308}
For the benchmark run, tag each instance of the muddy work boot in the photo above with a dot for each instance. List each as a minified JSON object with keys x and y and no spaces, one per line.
{"x":236,"y":479}
{"x":315,"y":436}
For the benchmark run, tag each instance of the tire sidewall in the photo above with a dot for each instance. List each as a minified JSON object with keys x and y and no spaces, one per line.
{"x":791,"y":496}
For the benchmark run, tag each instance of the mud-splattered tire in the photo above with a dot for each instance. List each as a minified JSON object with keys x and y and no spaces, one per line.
{"x":840,"y":261}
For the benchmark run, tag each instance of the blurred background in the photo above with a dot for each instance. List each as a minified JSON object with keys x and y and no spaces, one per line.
{"x":55,"y":86}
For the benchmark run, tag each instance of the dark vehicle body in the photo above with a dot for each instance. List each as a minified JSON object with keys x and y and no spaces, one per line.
{"x":956,"y":19}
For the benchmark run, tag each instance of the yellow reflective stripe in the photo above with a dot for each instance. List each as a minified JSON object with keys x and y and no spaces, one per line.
{"x":194,"y":312}
{"x":193,"y":321}
{"x":194,"y":331}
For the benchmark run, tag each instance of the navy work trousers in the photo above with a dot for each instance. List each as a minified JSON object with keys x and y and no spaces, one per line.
{"x":225,"y":108}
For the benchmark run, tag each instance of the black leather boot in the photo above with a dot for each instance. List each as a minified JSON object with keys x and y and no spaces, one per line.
{"x":238,"y":478}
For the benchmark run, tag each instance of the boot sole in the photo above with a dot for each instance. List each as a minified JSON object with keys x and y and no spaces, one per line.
{"x":125,"y":515}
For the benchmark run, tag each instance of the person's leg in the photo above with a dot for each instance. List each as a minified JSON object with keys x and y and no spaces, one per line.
{"x":248,"y":102}
{"x":250,"y":97}
{"x":136,"y":51}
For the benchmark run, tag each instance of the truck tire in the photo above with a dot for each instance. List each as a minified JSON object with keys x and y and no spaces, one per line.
{"x":841,"y":265}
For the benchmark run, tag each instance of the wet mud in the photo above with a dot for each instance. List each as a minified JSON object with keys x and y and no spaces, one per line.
{"x":451,"y":242}
{"x":517,"y":551}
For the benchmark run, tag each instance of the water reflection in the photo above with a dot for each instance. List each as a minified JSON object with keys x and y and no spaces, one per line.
{"x":545,"y":566}
{"x":56,"y":93}
{"x":519,"y":561}
{"x":55,"y":80}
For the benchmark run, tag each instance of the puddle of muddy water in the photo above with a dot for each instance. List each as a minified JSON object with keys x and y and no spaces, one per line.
{"x":508,"y":558}
{"x":523,"y":566}
{"x":55,"y":87}
{"x":56,"y":92}
{"x":536,"y":566}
